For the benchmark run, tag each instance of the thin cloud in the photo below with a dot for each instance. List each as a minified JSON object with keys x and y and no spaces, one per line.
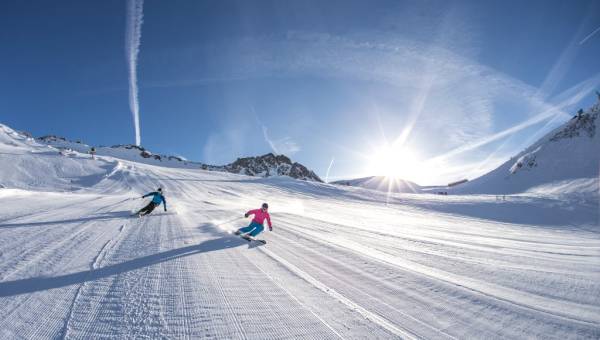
{"x":328,"y":170}
{"x":589,"y":36}
{"x":460,"y":92}
{"x":224,"y":146}
{"x":436,"y":91}
{"x":189,"y":82}
{"x":562,"y":64}
{"x":133,"y":36}
{"x":285,"y":146}
{"x":581,"y":90}
{"x":268,"y":140}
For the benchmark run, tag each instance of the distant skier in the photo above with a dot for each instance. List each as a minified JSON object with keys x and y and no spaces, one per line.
{"x":157,"y":199}
{"x":93,"y":152}
{"x":256,"y":226}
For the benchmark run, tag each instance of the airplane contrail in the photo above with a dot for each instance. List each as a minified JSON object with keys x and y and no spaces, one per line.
{"x":328,"y":169}
{"x":589,"y":36}
{"x":133,"y":35}
{"x":581,"y":89}
{"x":269,"y":140}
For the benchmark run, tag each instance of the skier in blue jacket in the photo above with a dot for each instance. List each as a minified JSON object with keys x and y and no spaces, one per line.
{"x":157,"y":199}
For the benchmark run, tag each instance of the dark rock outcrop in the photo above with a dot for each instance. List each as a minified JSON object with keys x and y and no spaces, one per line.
{"x":271,"y":165}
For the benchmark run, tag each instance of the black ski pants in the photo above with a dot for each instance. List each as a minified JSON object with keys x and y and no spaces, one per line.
{"x":147,"y":209}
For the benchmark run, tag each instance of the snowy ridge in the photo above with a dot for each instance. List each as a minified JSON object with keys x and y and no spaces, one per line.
{"x":569,"y":153}
{"x":267,"y":165}
{"x":342,"y":261}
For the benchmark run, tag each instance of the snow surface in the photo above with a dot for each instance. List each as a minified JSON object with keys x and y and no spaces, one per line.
{"x":382,"y":183}
{"x":342,"y":262}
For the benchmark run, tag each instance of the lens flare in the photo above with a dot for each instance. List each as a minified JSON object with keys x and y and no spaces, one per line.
{"x":395,"y":162}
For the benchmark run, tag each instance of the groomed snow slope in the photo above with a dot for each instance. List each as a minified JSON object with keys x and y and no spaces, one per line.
{"x":382,"y":183}
{"x":340,"y":263}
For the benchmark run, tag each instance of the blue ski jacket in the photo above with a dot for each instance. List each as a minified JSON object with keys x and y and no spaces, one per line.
{"x":157,"y":198}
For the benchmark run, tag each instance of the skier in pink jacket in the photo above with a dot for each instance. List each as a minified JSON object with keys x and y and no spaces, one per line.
{"x":256,"y":226}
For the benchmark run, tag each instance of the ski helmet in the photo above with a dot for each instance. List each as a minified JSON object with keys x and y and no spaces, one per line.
{"x":159,"y":189}
{"x":265,"y":206}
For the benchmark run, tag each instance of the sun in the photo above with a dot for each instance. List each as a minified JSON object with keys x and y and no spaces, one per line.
{"x":395,"y":162}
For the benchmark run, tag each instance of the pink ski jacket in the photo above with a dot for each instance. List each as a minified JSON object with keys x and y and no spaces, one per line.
{"x":259,"y":216}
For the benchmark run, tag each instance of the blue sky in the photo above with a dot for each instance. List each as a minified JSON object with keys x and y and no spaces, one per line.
{"x":453,"y":87}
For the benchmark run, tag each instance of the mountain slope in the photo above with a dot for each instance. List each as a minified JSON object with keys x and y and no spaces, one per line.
{"x":569,"y":153}
{"x":261,"y":166}
{"x":27,"y":164}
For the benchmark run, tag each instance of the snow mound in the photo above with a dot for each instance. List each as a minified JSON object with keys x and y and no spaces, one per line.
{"x":13,"y":141}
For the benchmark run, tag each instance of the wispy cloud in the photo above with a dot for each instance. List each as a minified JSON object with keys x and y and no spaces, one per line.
{"x":133,"y":35}
{"x":562,"y":64}
{"x":444,"y":103}
{"x":567,"y":98}
{"x":328,"y":170}
{"x":224,"y":146}
{"x":285,"y":146}
{"x":456,"y":94}
{"x":589,"y":36}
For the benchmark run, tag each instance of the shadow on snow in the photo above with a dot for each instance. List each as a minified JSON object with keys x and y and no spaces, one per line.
{"x":35,"y":284}
{"x":102,"y":216}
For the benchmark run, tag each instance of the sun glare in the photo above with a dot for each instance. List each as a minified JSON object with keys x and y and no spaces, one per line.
{"x":392,"y":162}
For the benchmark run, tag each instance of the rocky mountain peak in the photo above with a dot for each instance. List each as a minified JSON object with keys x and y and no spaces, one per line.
{"x":271,"y":165}
{"x":583,"y":124}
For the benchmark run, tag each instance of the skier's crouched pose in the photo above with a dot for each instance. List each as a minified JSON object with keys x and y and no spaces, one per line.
{"x":157,"y":199}
{"x":256,"y":226}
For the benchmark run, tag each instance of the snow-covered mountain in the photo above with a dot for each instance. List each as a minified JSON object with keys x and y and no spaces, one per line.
{"x":27,"y":164}
{"x":341,"y":262}
{"x":261,"y":166}
{"x":122,"y":151}
{"x":271,"y":165}
{"x":568,"y":154}
{"x":382,"y":183}
{"x":564,"y":161}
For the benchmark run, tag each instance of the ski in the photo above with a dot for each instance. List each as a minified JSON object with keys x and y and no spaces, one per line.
{"x":250,"y":238}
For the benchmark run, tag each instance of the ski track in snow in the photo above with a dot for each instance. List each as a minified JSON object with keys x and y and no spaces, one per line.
{"x":75,"y":265}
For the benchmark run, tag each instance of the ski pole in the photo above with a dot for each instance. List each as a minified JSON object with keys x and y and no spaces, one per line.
{"x":235,"y":219}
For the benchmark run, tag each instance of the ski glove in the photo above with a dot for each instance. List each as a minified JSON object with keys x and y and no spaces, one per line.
{"x":270,"y":228}
{"x":245,"y":215}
